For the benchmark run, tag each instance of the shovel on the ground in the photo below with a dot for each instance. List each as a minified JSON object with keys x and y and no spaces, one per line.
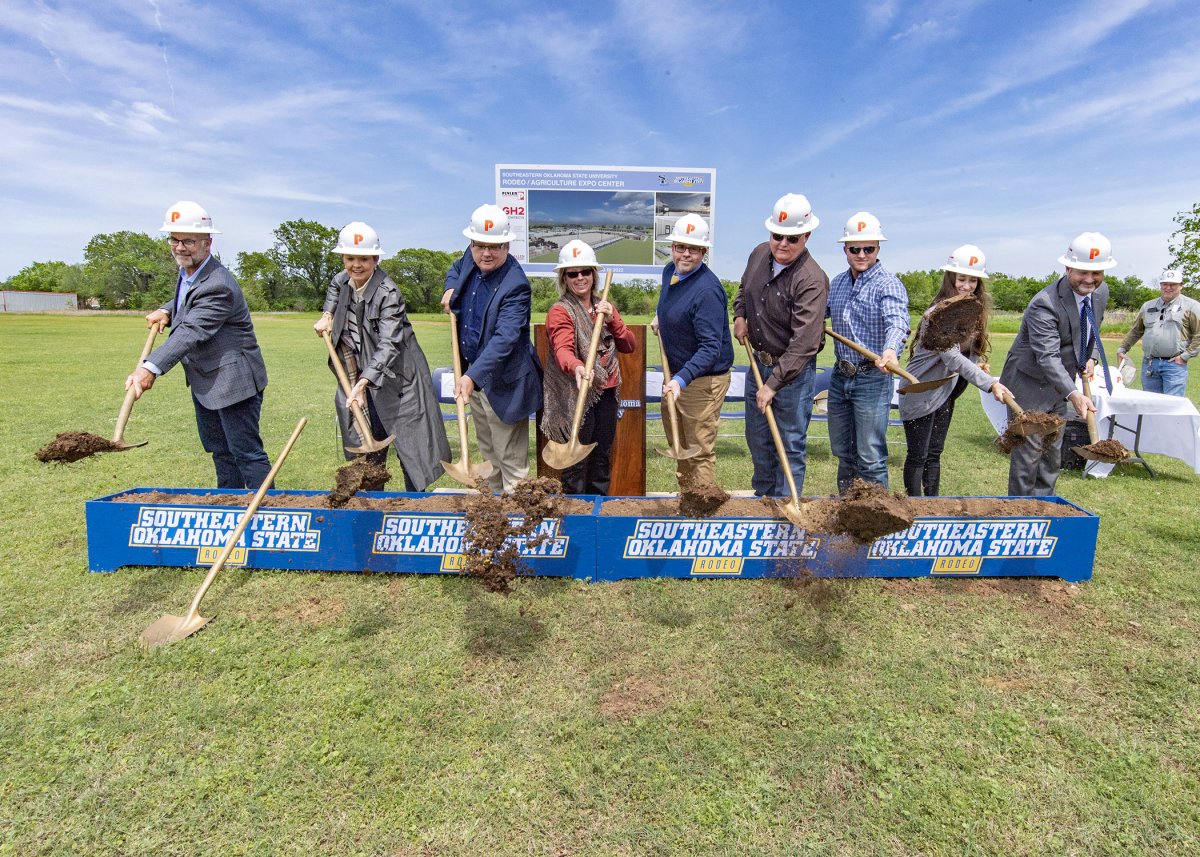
{"x":676,"y":451}
{"x":369,"y":444}
{"x":561,"y":455}
{"x":791,"y":510}
{"x":1095,"y":451}
{"x":465,"y":472}
{"x":169,"y":628}
{"x":118,"y":438}
{"x":914,"y":384}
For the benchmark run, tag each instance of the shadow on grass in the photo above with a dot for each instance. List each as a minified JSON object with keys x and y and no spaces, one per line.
{"x":500,"y":627}
{"x":369,"y":620}
{"x":810,"y":633}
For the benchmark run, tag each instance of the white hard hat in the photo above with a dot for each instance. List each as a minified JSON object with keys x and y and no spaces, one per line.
{"x":489,"y":225}
{"x":358,"y":239}
{"x":1090,"y":251}
{"x":1171,"y":275}
{"x":792,"y":216}
{"x":186,"y":216}
{"x":576,"y":254}
{"x":691,"y":229}
{"x":967,"y":259}
{"x":862,"y":226}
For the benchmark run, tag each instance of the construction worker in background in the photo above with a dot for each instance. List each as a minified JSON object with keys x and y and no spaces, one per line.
{"x":1058,"y":340}
{"x":780,"y":311}
{"x":213,"y":337}
{"x":692,"y":321}
{"x":488,"y":295}
{"x":1169,"y":327}
{"x":867,"y":305}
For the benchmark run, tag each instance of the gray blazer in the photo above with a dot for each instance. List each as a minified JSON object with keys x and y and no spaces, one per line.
{"x":1041,"y":366}
{"x":213,"y":337}
{"x":929,"y":365}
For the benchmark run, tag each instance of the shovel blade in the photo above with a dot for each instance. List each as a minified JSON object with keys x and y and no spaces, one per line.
{"x":122,"y":446}
{"x":371,"y":446}
{"x":560,"y":456}
{"x":170,"y":629}
{"x":1088,"y":454}
{"x":922,"y":386}
{"x":468,"y":475}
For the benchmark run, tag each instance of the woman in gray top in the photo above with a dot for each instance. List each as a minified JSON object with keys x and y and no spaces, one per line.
{"x":927,"y":415}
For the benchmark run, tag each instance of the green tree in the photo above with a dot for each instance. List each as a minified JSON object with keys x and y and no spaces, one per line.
{"x":42,"y":277}
{"x":921,"y":286}
{"x":303,"y":251}
{"x":130,"y":269}
{"x":421,"y":276}
{"x":263,"y":281}
{"x":1185,"y":245}
{"x":1129,"y":293}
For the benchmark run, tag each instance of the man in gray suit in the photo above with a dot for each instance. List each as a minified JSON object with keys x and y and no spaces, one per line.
{"x":1059,"y":338}
{"x":213,"y":337}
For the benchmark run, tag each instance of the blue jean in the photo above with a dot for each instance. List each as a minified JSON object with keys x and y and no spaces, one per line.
{"x":858,"y":421}
{"x":231,"y":435}
{"x":1163,"y":376}
{"x":792,"y":407}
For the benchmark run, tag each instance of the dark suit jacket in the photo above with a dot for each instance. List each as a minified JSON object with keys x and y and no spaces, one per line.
{"x":507,"y":367}
{"x":1042,"y":364}
{"x":213,"y":337}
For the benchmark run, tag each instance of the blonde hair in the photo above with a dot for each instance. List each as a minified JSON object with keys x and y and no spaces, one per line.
{"x":560,"y":278}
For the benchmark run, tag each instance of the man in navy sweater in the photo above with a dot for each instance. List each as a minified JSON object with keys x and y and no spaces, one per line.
{"x":693,"y":323}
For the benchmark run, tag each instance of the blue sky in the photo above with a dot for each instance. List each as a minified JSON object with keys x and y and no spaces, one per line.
{"x":1012,"y":124}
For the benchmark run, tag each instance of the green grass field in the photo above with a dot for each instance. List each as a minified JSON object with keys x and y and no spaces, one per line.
{"x":626,"y":252}
{"x":388,"y":714}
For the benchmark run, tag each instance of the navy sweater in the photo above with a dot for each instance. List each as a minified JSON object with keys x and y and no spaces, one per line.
{"x":693,"y":318}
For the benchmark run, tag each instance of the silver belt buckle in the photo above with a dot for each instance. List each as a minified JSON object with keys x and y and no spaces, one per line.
{"x":847,"y":368}
{"x":766,"y":359}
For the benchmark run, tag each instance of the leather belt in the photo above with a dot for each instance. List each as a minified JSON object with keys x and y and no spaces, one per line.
{"x":849,"y":368}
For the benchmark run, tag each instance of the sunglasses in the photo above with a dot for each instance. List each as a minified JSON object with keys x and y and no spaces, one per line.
{"x":866,"y":251}
{"x":790,"y":239}
{"x":571,"y":275}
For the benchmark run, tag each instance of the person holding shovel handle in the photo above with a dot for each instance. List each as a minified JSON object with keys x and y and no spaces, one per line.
{"x":569,"y":325}
{"x":927,"y":414}
{"x":365,"y":318}
{"x":780,"y":312}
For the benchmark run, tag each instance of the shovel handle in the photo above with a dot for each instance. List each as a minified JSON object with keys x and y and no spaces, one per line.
{"x":360,"y":419}
{"x":194,"y":610}
{"x":669,"y":400}
{"x":892,"y":365}
{"x":590,"y":363}
{"x":779,"y":450}
{"x":1093,"y":432}
{"x":1012,"y":403}
{"x":130,"y":395}
{"x":459,"y":405}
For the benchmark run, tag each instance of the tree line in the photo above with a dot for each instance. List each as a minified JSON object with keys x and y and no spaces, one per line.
{"x":132,"y":270}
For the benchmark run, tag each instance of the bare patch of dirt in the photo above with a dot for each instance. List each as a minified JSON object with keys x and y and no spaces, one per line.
{"x":69,"y":446}
{"x":312,"y":610}
{"x":492,"y":556}
{"x":632,"y":697}
{"x":360,"y":474}
{"x":951,"y":322}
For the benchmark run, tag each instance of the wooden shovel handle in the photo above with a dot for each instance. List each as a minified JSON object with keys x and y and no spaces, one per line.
{"x":892,"y":366}
{"x":1093,"y":432}
{"x":669,"y":401}
{"x":460,"y":406}
{"x":779,"y":450}
{"x":130,"y":394}
{"x":590,"y":363}
{"x":1012,"y":403}
{"x":360,"y":419}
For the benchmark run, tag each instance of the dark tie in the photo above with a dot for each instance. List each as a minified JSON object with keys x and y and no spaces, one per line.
{"x":1085,"y":307}
{"x":1086,"y":310}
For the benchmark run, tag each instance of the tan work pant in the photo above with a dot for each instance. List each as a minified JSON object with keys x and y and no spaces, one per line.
{"x":699,"y":407}
{"x":505,"y":446}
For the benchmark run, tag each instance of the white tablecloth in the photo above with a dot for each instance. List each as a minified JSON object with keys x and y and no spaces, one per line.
{"x":1170,"y":424}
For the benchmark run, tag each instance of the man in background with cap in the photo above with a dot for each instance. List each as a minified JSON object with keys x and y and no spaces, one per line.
{"x":780,"y":311}
{"x":1059,"y":339}
{"x":213,"y":337}
{"x":1169,"y":327}
{"x":867,"y":305}
{"x":502,"y":379}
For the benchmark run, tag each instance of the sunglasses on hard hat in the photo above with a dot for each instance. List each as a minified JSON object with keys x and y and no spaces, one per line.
{"x":790,"y":239}
{"x":866,"y":251}
{"x":571,"y":275}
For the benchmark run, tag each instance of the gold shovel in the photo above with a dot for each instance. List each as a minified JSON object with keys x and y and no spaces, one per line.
{"x":170,"y":629}
{"x":676,"y":451}
{"x":791,"y":510}
{"x":465,"y":472}
{"x":118,"y":438}
{"x":1089,"y":452}
{"x":360,"y":419}
{"x":561,"y":455}
{"x":914,"y":385}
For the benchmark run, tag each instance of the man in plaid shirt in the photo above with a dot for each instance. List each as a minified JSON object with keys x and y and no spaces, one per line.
{"x":869,"y":306}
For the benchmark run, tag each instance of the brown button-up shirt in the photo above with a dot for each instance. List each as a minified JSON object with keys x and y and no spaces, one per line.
{"x":786,"y":313}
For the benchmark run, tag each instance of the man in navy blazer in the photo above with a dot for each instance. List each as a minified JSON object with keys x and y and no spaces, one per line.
{"x":489,"y":296}
{"x":1059,"y":339}
{"x":213,"y":337}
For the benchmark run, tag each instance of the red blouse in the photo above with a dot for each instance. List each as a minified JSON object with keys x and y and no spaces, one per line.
{"x":562,"y":339}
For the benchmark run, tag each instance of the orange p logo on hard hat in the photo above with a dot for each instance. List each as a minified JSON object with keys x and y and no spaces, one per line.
{"x":1093,"y":253}
{"x":862,"y":224}
{"x":174,"y":216}
{"x":487,"y":225}
{"x":782,"y":216}
{"x":973,"y":262}
{"x":574,"y":252}
{"x":357,"y":239}
{"x":689,"y":229}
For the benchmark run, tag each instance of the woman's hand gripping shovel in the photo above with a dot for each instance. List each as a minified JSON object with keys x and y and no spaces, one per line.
{"x":361,"y":425}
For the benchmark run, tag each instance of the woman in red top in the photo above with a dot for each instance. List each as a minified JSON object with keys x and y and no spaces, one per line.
{"x":569,"y":326}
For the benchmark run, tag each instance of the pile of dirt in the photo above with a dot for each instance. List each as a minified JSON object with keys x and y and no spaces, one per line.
{"x":867,"y":512}
{"x":360,"y":474}
{"x":702,"y":501}
{"x":428,"y":503}
{"x":1107,"y":450}
{"x":491,"y":555}
{"x":951,"y":322}
{"x":71,"y":446}
{"x":1030,"y":423}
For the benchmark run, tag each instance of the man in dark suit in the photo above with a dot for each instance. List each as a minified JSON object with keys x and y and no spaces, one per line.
{"x":213,"y":337}
{"x":1059,"y":339}
{"x":487,"y":291}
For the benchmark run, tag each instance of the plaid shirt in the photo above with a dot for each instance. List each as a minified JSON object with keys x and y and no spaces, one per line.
{"x":872,"y":311}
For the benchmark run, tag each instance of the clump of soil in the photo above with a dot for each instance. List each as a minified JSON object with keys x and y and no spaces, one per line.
{"x":492,"y":556}
{"x":868,"y":511}
{"x":1030,"y":423}
{"x":360,"y":474}
{"x":71,"y":446}
{"x":1107,"y":450}
{"x":701,"y":501}
{"x":951,"y":322}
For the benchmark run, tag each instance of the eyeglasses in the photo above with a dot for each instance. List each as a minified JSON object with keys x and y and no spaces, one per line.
{"x":571,"y":275}
{"x":479,"y":245}
{"x":186,"y":243}
{"x":688,"y":249}
{"x":866,"y":251}
{"x":790,"y":239}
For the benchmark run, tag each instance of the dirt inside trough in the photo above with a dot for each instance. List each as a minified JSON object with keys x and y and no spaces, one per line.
{"x":1029,"y":423}
{"x":701,"y":501}
{"x":359,"y":475}
{"x":71,"y":446}
{"x":429,"y":503}
{"x":1107,"y":450}
{"x":867,"y":511}
{"x":491,"y":558}
{"x":951,"y":322}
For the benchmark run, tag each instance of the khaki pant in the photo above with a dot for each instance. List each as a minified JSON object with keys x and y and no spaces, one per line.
{"x":699,"y":407}
{"x":505,"y":446}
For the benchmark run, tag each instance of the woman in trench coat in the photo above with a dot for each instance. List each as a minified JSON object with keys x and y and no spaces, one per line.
{"x":365,"y":316}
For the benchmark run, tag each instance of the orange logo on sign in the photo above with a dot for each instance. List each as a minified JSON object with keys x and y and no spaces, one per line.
{"x":1093,"y":253}
{"x":357,"y":239}
{"x":487,"y":225}
{"x":174,"y":216}
{"x":973,"y":262}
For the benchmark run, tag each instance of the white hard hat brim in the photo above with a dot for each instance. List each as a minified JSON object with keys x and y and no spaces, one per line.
{"x":485,"y":239}
{"x":772,"y":226}
{"x":561,"y":265}
{"x":357,"y":251}
{"x":1105,"y":265}
{"x":861,"y":238}
{"x":168,"y":228}
{"x":955,"y":269}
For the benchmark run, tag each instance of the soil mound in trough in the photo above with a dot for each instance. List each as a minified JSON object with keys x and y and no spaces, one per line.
{"x":951,"y":322}
{"x":492,"y":556}
{"x":1108,"y":450}
{"x":701,"y":501}
{"x":71,"y":446}
{"x":359,"y":475}
{"x":867,"y":511}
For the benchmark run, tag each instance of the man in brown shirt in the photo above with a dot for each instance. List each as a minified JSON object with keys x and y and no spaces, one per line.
{"x":780,"y":310}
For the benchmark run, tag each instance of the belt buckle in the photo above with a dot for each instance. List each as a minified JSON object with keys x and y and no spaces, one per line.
{"x":847,"y":368}
{"x":766,"y":359}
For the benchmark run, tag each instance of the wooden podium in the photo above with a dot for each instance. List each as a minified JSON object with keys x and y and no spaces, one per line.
{"x":629,"y":446}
